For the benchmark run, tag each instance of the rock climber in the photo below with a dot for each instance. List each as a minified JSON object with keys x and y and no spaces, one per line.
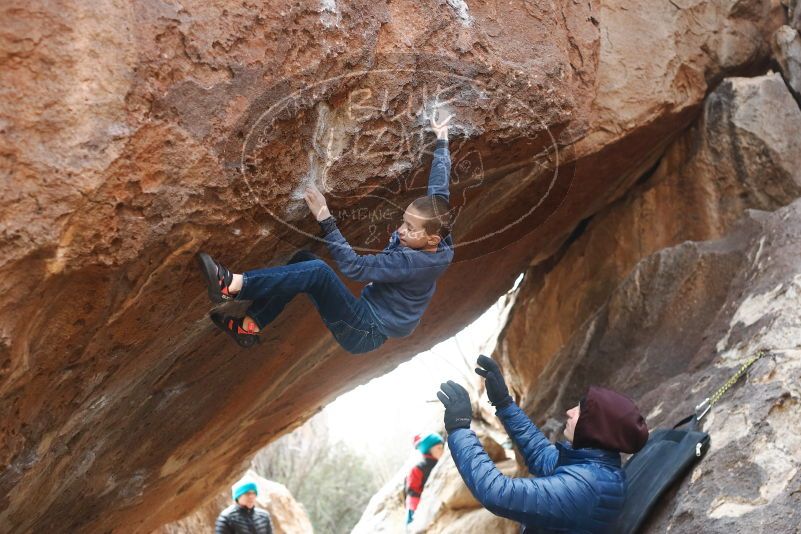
{"x":579,"y":485}
{"x":400,"y":280}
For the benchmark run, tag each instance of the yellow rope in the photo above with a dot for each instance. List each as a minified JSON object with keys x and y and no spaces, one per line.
{"x":740,"y":372}
{"x":711,"y":401}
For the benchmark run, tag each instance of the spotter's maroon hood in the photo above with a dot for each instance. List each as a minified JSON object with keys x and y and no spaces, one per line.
{"x":610,"y":421}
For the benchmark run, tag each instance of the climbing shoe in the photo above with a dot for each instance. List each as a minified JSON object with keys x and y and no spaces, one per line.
{"x":233,"y":327}
{"x":218,"y":278}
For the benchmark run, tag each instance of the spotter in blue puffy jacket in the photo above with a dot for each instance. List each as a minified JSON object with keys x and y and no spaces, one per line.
{"x":579,"y":487}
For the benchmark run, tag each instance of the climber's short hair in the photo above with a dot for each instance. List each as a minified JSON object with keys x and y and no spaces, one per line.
{"x":437,"y":213}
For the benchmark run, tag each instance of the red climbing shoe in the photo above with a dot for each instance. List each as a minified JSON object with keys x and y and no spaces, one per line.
{"x":218,"y":278}
{"x":233,"y":327}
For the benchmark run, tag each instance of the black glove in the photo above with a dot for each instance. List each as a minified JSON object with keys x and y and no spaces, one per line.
{"x":458,"y":410}
{"x":497,"y":391}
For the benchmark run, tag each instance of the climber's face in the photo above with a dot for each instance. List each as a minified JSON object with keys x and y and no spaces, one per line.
{"x":412,"y":231}
{"x":248,"y":500}
{"x":572,"y":418}
{"x":436,"y":451}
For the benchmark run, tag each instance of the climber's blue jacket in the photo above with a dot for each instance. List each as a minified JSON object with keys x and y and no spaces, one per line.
{"x":576,"y":490}
{"x":401,"y":280}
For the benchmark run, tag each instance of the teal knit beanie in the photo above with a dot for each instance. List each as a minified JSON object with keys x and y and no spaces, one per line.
{"x":242,"y":487}
{"x":425,"y":444}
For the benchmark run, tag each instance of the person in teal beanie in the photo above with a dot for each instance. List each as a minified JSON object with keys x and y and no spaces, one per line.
{"x":431,"y":446}
{"x":241,"y":488}
{"x":243,"y":517}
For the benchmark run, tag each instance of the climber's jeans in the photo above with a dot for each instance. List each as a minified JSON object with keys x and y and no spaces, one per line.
{"x":348,"y":318}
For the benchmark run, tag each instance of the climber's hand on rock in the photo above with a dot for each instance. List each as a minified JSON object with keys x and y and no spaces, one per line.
{"x":458,"y":410}
{"x":316,"y":202}
{"x":497,"y":391}
{"x":440,"y":127}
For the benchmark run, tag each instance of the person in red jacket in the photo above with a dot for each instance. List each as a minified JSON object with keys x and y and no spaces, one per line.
{"x":431,"y":446}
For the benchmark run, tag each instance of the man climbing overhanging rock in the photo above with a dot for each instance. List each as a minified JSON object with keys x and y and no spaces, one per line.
{"x":401,"y":279}
{"x":580,"y":485}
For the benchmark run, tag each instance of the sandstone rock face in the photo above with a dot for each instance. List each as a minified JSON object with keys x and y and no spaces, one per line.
{"x":741,"y":154}
{"x":134,"y":135}
{"x":794,"y":13}
{"x":666,"y":293}
{"x":450,"y":504}
{"x":710,"y":306}
{"x":446,"y":505}
{"x":476,"y":520}
{"x":787,"y":50}
{"x":286,"y":514}
{"x":385,"y":512}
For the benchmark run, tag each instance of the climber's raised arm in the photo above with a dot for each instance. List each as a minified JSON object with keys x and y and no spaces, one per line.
{"x":439,"y":176}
